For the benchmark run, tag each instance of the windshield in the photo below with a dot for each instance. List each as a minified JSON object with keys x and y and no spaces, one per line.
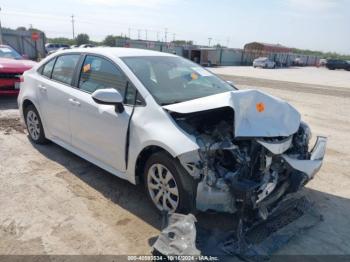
{"x":174,"y":79}
{"x":8,"y":52}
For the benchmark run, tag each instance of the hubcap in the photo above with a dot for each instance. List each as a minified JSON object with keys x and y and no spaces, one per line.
{"x":162,"y":188}
{"x":33,"y":125}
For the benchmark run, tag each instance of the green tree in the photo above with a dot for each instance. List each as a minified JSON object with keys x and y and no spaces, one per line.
{"x":21,"y":28}
{"x":109,"y":40}
{"x":82,"y":39}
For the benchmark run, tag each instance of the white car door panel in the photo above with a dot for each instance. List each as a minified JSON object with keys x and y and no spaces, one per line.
{"x":98,"y":130}
{"x":54,"y":89}
{"x":55,"y":108}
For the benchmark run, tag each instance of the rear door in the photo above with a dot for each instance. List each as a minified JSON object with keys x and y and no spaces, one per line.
{"x":98,"y":130}
{"x":54,"y":87}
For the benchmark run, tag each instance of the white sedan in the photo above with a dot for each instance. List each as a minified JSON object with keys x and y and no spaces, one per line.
{"x":193,"y":140}
{"x":264,"y":62}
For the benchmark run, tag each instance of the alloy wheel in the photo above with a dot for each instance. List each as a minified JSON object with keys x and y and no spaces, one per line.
{"x":162,"y":188}
{"x":33,"y":125}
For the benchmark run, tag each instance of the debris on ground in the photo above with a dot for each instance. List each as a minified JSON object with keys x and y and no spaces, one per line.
{"x":291,"y":217}
{"x":178,"y":237}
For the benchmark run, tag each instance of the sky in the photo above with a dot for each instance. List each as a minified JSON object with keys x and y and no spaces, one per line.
{"x":309,"y":24}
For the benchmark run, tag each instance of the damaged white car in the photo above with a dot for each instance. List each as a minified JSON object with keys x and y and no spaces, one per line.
{"x":194,"y":140}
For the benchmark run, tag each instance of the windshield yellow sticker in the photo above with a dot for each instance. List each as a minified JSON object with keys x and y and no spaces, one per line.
{"x":201,"y":71}
{"x":86,"y":68}
{"x":194,"y":76}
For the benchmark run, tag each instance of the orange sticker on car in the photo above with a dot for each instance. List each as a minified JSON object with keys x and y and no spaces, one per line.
{"x":194,"y":76}
{"x":86,"y":68}
{"x":260,"y":107}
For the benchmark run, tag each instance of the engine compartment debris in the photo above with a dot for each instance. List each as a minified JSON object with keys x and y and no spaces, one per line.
{"x":292,"y":217}
{"x":245,"y":175}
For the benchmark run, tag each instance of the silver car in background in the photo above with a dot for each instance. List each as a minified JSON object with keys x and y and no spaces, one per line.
{"x":264,"y":62}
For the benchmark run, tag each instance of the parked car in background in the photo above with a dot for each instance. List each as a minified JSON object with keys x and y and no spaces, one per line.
{"x":322,"y":62}
{"x":333,"y":64}
{"x":12,"y":66}
{"x":298,"y":62}
{"x":49,"y":47}
{"x":194,"y":140}
{"x":59,"y":49}
{"x":86,"y":46}
{"x":264,"y":62}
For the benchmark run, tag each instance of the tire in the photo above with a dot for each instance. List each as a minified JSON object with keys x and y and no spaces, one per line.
{"x":34,"y":125}
{"x":176,"y":187}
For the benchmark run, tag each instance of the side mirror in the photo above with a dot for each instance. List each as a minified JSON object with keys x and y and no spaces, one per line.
{"x":109,"y":96}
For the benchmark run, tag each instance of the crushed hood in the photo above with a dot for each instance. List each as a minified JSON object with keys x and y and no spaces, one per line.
{"x":256,"y":114}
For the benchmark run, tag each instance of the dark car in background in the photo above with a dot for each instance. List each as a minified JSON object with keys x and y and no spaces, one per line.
{"x":333,"y":64}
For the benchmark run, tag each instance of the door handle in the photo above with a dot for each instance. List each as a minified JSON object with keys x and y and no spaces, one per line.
{"x":42,"y":88}
{"x":74,"y":102}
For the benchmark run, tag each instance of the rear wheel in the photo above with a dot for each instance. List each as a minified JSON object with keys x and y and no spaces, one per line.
{"x":168,"y":185}
{"x":34,"y":125}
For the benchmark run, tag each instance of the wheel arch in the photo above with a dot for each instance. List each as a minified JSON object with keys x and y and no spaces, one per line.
{"x":142,"y":158}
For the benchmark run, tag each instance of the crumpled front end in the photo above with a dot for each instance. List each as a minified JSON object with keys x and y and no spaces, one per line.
{"x":248,"y":175}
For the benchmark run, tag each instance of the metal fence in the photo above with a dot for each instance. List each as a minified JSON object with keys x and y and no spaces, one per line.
{"x":23,"y":43}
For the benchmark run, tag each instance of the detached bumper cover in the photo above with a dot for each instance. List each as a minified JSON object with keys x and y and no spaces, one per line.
{"x":309,"y":166}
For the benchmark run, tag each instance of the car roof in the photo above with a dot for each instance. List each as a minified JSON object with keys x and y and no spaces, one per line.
{"x":116,"y":51}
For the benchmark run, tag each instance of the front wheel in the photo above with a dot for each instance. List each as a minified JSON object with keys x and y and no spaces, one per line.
{"x":168,"y":185}
{"x":34,"y":125}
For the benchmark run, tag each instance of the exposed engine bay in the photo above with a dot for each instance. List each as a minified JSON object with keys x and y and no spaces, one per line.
{"x":247,"y":175}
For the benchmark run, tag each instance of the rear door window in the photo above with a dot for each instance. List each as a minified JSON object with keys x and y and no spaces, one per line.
{"x":64,"y":68}
{"x":47,"y":69}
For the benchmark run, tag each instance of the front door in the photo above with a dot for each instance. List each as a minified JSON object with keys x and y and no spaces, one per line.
{"x":98,"y":130}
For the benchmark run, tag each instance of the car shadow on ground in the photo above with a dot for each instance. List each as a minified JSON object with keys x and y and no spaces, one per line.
{"x":8,"y":102}
{"x":334,"y":209}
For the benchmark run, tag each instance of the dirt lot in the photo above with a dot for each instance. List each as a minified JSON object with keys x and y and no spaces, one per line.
{"x":305,"y":75}
{"x":53,"y":202}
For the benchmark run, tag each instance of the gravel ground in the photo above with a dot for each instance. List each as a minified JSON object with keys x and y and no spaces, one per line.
{"x":53,"y":202}
{"x":305,"y":75}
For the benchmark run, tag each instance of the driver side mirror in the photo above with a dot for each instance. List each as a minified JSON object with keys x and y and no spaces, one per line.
{"x":109,"y":96}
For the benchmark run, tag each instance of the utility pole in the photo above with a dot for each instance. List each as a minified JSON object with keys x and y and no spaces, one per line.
{"x":209,"y":39}
{"x":138,"y":34}
{"x":73,"y":26}
{"x":166,"y":35}
{"x":0,"y":31}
